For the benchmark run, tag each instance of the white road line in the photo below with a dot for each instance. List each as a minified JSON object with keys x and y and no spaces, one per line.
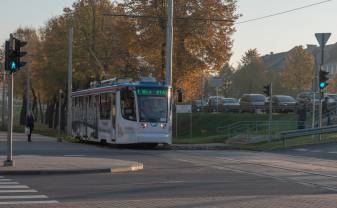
{"x":8,"y":183}
{"x":74,"y":155}
{"x":333,"y":152}
{"x":28,"y":202}
{"x":315,"y":151}
{"x":13,"y":186}
{"x":301,"y":150}
{"x":25,"y":197}
{"x":5,"y":179}
{"x":18,"y":191}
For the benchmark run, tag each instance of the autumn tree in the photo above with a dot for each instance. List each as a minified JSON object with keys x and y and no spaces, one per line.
{"x":200,"y":44}
{"x":297,"y":74}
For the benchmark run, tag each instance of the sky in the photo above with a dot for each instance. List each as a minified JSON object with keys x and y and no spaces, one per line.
{"x":276,"y":34}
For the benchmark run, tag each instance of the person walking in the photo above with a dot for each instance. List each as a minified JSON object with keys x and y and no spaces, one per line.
{"x":30,"y":125}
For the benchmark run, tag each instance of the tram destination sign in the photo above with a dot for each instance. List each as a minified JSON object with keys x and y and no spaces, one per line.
{"x":151,"y":91}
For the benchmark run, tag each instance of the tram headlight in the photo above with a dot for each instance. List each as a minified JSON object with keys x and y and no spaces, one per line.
{"x":163,"y":126}
{"x":144,"y":125}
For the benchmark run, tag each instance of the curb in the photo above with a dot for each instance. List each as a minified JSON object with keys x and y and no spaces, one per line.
{"x":131,"y":168}
{"x":192,"y":147}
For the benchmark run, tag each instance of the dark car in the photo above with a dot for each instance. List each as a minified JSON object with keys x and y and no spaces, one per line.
{"x":282,"y":104}
{"x":252,"y":103}
{"x":199,"y":105}
{"x":230,"y":105}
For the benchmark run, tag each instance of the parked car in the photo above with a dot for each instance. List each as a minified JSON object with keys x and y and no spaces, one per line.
{"x":199,"y":105}
{"x":307,"y":98}
{"x":282,"y":104}
{"x":252,"y":103}
{"x":230,"y":105}
{"x":215,"y":103}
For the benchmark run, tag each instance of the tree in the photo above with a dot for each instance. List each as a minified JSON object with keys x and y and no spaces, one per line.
{"x":199,"y":45}
{"x":297,"y":74}
{"x":226,"y":75}
{"x":251,"y":74}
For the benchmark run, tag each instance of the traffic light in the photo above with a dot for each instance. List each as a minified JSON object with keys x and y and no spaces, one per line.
{"x":266,"y":90}
{"x":13,"y":54}
{"x":323,"y":78}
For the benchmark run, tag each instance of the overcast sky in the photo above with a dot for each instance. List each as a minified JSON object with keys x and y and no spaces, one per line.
{"x":276,"y":34}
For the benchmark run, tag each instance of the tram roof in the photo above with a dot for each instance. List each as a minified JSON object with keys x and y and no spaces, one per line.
{"x":118,"y":86}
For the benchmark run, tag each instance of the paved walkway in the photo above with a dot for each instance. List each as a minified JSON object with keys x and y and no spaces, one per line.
{"x":58,"y":164}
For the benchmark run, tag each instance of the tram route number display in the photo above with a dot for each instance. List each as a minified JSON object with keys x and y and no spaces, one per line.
{"x":158,"y":92}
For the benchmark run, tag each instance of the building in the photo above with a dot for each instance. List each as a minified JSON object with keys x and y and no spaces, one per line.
{"x":275,"y":61}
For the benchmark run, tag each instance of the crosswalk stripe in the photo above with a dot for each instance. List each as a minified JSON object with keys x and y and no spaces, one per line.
{"x":8,"y":183}
{"x":18,"y":191}
{"x":5,"y":179}
{"x":13,"y":186}
{"x":28,"y":202}
{"x":24,"y":197}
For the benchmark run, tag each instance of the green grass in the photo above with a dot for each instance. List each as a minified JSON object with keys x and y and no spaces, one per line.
{"x":204,"y":125}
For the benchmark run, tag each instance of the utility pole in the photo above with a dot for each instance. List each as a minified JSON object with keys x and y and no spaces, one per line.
{"x":59,"y":116}
{"x":70,"y":78}
{"x":169,"y":42}
{"x":28,"y":89}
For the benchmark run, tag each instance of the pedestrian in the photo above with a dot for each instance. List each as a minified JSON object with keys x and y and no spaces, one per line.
{"x":30,"y":125}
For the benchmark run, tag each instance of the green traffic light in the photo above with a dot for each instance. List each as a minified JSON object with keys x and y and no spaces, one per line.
{"x":322,"y":85}
{"x":13,"y":66}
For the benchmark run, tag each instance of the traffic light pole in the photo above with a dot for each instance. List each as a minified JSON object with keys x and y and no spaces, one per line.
{"x":270,"y":111}
{"x":3,"y":98}
{"x":9,"y":161}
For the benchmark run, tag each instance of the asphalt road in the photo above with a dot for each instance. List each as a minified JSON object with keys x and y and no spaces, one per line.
{"x":167,"y":174}
{"x":323,"y":151}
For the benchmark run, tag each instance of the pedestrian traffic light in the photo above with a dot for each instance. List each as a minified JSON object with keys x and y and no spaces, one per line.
{"x":266,"y":90}
{"x":323,"y":78}
{"x":13,"y":54}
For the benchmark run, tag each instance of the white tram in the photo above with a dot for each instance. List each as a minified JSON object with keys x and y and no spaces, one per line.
{"x":123,"y":112}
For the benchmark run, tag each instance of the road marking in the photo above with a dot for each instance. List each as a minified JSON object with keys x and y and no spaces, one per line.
{"x":19,"y":191}
{"x":28,"y":202}
{"x":25,"y":197}
{"x":14,"y":186}
{"x":333,"y":152}
{"x":7,"y":186}
{"x":74,"y":155}
{"x":301,"y":150}
{"x":8,"y":183}
{"x":315,"y":151}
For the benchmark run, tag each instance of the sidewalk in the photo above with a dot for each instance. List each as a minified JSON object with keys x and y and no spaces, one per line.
{"x":64,"y":158}
{"x":33,"y":164}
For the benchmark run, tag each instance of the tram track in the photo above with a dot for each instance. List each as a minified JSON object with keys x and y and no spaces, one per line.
{"x":296,"y":175}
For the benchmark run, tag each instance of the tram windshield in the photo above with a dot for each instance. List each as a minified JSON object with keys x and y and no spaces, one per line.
{"x":152,"y":105}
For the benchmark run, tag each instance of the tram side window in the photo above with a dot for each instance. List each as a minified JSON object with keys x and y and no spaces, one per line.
{"x":128,"y":107}
{"x":105,"y":106}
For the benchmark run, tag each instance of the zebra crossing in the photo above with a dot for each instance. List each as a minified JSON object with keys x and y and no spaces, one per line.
{"x":12,"y":192}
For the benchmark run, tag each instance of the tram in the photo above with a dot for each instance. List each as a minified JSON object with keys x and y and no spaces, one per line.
{"x":123,"y":112}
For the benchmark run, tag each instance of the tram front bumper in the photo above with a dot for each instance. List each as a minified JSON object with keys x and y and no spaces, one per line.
{"x":154,"y":138}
